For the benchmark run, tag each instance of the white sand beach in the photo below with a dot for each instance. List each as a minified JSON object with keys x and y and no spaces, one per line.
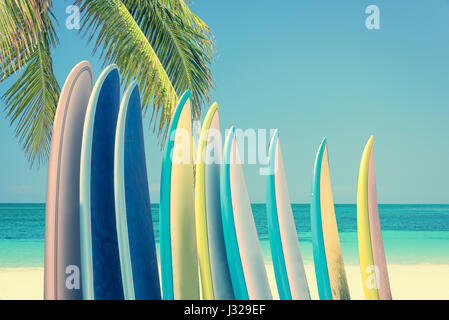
{"x":421,"y":281}
{"x":416,"y":282}
{"x":22,"y":284}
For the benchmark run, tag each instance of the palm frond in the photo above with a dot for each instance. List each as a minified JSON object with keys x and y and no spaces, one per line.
{"x":31,"y":101}
{"x":122,"y":42}
{"x":21,"y":23}
{"x":31,"y":104}
{"x":182,"y":10}
{"x":182,"y":46}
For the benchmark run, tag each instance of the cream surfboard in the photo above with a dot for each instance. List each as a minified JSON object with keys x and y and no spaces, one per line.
{"x":179,"y":259}
{"x":215,"y":277}
{"x":328,"y":260}
{"x":246,"y":265}
{"x":287,"y":260}
{"x":62,"y":232}
{"x":373,"y":264}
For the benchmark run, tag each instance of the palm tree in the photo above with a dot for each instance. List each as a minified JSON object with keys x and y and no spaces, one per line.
{"x":160,"y":43}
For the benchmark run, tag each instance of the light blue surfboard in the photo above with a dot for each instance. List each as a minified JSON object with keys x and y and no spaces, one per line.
{"x":100,"y":262}
{"x":248,"y":275}
{"x":132,"y":202}
{"x":287,"y":260}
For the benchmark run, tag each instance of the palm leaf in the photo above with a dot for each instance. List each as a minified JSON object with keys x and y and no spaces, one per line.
{"x":31,"y":101}
{"x":182,"y":46}
{"x":182,"y":10}
{"x":20,"y":25}
{"x":122,"y":42}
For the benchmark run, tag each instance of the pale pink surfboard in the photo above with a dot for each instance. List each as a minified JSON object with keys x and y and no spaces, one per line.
{"x":384,"y":290}
{"x":62,"y":278}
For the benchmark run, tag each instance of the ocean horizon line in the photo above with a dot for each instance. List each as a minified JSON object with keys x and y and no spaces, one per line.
{"x":263,"y":203}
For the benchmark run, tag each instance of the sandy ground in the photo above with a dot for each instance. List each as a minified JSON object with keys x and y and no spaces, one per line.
{"x":417,"y":282}
{"x":424,"y":281}
{"x":22,"y":284}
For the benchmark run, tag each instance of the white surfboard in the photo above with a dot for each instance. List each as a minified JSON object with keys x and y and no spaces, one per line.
{"x":62,"y":222}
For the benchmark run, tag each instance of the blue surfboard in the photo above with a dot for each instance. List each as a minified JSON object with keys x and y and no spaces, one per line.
{"x":132,"y":202}
{"x":100,"y":262}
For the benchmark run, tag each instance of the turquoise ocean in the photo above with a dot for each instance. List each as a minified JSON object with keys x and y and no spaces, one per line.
{"x":413,"y":234}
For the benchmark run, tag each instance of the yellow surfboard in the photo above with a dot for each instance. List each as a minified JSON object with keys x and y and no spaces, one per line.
{"x":215,"y":277}
{"x":373,"y":264}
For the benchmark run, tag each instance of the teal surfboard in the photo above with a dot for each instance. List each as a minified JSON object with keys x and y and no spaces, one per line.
{"x":137,"y":248}
{"x":100,"y":262}
{"x":246,"y":265}
{"x":287,"y":260}
{"x":328,"y":260}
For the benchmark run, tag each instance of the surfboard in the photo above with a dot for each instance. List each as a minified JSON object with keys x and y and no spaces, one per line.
{"x":246,"y":265}
{"x":179,"y":258}
{"x":328,"y":260}
{"x":215,"y":277}
{"x":135,"y":234}
{"x":62,"y":234}
{"x":100,"y":262}
{"x":373,"y":265}
{"x":287,"y":259}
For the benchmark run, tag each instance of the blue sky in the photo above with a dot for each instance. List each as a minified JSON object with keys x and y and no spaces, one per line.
{"x":312,"y":69}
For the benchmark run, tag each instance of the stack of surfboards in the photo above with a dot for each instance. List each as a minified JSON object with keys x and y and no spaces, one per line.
{"x":99,"y":239}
